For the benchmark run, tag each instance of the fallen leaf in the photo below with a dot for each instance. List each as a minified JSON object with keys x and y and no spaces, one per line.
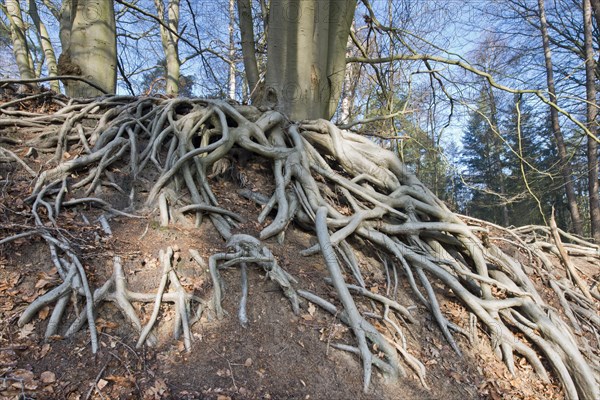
{"x":311,"y":308}
{"x":43,"y":314}
{"x":26,"y":330}
{"x":49,"y":278}
{"x":8,"y":357}
{"x":6,"y":305}
{"x":120,"y":380}
{"x":22,"y":375}
{"x":102,"y":324}
{"x":101,"y":384}
{"x":48,"y":377}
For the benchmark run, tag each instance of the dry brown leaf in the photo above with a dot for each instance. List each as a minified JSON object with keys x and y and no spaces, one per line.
{"x":44,"y":312}
{"x":102,"y":324}
{"x":101,"y":384}
{"x":49,"y":278}
{"x":120,"y":380}
{"x":8,"y":357}
{"x":6,"y":305}
{"x":45,"y":349}
{"x":26,"y":330}
{"x":24,"y":380}
{"x":48,"y":377}
{"x":22,"y":374}
{"x":307,"y":317}
{"x":74,"y":396}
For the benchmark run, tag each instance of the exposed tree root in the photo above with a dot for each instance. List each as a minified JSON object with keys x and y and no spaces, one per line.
{"x":347,"y":189}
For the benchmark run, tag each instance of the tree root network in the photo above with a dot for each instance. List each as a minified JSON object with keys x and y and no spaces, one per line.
{"x":340,"y":185}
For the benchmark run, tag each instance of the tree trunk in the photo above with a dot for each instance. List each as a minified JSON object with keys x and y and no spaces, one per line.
{"x":596,"y":9}
{"x":46,"y":44}
{"x":19,"y":40}
{"x":248,"y":47}
{"x":348,"y":89}
{"x":88,"y":34}
{"x":565,"y":169}
{"x":592,"y":124}
{"x":170,"y":43}
{"x":306,"y":56}
{"x":231,"y":49}
{"x":66,"y":24}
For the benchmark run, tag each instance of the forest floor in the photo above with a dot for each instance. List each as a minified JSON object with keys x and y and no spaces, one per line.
{"x":277,"y":356}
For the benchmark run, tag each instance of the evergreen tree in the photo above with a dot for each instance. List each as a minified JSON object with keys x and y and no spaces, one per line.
{"x":484,"y":160}
{"x":527,"y":184}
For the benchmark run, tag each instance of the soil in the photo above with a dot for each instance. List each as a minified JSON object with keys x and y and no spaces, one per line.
{"x":277,"y":356}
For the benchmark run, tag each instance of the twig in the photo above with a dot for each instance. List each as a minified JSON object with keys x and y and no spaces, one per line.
{"x":95,"y":383}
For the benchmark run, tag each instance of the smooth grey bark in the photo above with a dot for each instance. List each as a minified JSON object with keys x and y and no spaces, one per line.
{"x":65,"y":19}
{"x":232,"y":83}
{"x":306,"y":56}
{"x":248,"y":46}
{"x":564,"y":166}
{"x":592,"y":123}
{"x":88,"y":35}
{"x":45,"y":43}
{"x":170,"y":43}
{"x":19,"y":40}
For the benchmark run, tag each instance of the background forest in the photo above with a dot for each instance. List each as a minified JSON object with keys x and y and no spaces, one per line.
{"x":452,"y":87}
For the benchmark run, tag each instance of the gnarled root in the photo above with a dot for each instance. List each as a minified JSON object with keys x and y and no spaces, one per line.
{"x":247,"y":249}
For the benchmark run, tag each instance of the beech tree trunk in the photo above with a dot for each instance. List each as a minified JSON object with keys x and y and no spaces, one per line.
{"x":306,"y":56}
{"x":170,"y":43}
{"x":232,"y":83}
{"x":88,"y":34}
{"x":46,"y":44}
{"x":19,"y":40}
{"x":248,"y":47}
{"x":564,"y":166}
{"x":592,"y":123}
